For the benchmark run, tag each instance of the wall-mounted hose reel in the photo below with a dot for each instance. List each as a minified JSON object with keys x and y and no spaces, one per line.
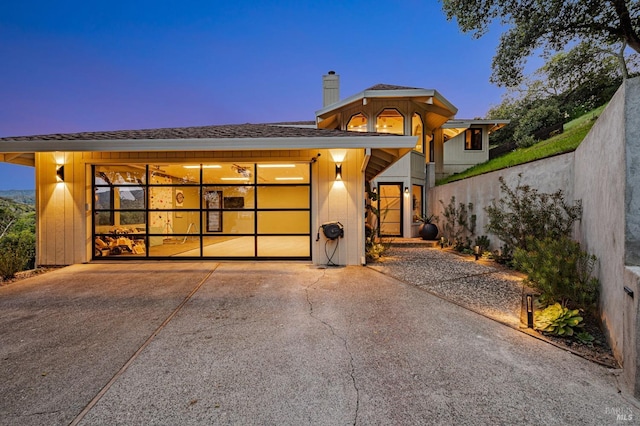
{"x":332,"y":231}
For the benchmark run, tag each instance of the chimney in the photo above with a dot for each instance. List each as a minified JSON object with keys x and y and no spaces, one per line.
{"x":330,"y":88}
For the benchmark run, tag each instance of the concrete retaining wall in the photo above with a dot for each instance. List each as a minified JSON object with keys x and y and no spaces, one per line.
{"x":604,"y":172}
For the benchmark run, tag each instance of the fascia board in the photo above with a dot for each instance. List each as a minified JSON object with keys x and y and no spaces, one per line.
{"x":225,"y":144}
{"x":340,"y":104}
{"x":445,"y":102}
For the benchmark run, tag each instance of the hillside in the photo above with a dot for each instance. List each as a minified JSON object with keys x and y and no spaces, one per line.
{"x":26,"y":196}
{"x":574,"y":132}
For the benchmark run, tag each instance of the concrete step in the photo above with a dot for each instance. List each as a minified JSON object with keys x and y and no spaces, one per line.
{"x":411,"y":242}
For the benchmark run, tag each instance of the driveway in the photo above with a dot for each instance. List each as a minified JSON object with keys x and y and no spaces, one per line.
{"x":276,"y":343}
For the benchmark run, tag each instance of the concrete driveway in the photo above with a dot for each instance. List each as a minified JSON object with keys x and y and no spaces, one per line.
{"x":276,"y":343}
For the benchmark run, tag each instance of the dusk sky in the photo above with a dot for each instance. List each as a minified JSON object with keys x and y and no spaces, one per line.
{"x":71,"y":66}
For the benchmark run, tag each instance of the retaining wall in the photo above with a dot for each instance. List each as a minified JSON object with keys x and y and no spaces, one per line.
{"x":604,"y":172}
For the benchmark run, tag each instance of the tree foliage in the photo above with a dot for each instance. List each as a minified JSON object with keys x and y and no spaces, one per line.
{"x":549,"y":25}
{"x":567,"y":86}
{"x":17,"y":237}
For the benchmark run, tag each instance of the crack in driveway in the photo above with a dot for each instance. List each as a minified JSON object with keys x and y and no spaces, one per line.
{"x":352,"y":372}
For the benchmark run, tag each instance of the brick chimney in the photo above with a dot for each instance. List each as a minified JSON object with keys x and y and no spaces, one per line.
{"x":330,"y":88}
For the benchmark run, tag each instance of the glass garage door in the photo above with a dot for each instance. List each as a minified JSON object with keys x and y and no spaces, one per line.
{"x":217,"y":210}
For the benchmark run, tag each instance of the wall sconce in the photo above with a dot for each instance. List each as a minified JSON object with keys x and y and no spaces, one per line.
{"x":406,"y":189}
{"x":338,"y":171}
{"x":60,"y":173}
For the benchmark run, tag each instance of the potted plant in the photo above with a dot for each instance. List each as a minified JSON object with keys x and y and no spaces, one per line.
{"x":428,"y":229}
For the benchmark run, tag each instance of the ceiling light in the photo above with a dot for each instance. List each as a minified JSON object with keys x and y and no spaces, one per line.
{"x":276,"y":166}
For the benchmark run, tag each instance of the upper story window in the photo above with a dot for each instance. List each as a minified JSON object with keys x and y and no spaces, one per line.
{"x":416,"y":130}
{"x":357,"y":123}
{"x":390,"y":121}
{"x":473,"y":139}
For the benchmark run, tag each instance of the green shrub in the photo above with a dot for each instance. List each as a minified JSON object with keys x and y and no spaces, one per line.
{"x":560,"y":270}
{"x":558,"y":320}
{"x":524,"y":212}
{"x":17,"y":252}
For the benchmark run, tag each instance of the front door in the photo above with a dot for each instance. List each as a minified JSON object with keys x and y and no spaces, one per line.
{"x":390,"y":208}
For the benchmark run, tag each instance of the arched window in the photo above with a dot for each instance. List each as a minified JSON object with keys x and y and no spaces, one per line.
{"x":390,"y":121}
{"x":357,"y":123}
{"x":417,"y":130}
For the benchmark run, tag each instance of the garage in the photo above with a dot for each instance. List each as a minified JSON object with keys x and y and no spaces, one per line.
{"x":216,"y":210}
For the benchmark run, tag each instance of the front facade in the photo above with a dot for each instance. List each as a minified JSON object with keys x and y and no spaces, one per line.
{"x":444,"y":145}
{"x":243,"y":192}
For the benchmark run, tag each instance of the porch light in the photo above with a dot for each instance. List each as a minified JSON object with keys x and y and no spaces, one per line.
{"x":60,"y":173}
{"x":338,"y":171}
{"x":406,"y":190}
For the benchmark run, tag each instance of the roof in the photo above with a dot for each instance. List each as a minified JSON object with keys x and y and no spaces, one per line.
{"x":230,"y":131}
{"x":382,"y":148}
{"x":429,"y":96}
{"x":382,"y":86}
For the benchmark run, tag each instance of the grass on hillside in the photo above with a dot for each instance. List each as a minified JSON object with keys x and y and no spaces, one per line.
{"x":574,"y":132}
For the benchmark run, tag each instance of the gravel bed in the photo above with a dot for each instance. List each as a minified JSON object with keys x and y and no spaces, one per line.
{"x":480,"y":286}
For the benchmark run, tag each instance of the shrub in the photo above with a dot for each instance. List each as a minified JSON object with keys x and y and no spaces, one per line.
{"x":17,"y":252}
{"x":524,"y":212}
{"x":560,"y":270}
{"x":558,"y":320}
{"x":459,"y":224}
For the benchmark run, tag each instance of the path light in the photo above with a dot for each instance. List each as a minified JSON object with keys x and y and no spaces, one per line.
{"x":529,"y":310}
{"x":441,"y":242}
{"x":476,"y":252}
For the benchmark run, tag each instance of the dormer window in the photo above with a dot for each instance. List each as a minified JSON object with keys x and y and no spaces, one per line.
{"x":390,"y":121}
{"x":357,"y":123}
{"x":416,"y":130}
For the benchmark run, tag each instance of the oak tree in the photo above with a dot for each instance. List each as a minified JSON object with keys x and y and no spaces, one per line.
{"x":549,"y":25}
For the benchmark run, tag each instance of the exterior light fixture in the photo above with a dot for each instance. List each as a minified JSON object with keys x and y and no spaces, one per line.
{"x":529,"y":310}
{"x":406,"y":189}
{"x":60,"y":173}
{"x":441,"y":242}
{"x":476,"y":252}
{"x":338,"y":171}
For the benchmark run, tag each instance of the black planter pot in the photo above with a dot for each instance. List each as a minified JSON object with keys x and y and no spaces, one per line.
{"x":429,"y":231}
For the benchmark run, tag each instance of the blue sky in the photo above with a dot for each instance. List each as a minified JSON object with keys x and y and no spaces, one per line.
{"x":71,"y":66}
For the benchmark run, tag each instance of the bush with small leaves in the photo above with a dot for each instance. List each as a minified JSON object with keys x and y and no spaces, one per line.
{"x":560,"y":270}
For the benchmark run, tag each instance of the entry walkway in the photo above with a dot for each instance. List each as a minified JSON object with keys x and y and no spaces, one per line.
{"x":276,"y":343}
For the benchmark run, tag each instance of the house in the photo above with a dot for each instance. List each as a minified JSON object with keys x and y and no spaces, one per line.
{"x":444,"y":145}
{"x":290,"y":191}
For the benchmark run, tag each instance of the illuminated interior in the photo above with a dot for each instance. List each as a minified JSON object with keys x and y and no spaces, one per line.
{"x":417,"y":130}
{"x":216,"y":210}
{"x":390,"y":121}
{"x":357,"y":123}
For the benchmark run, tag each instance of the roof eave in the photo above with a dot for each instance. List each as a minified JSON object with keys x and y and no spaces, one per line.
{"x":396,"y":93}
{"x":202,"y":144}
